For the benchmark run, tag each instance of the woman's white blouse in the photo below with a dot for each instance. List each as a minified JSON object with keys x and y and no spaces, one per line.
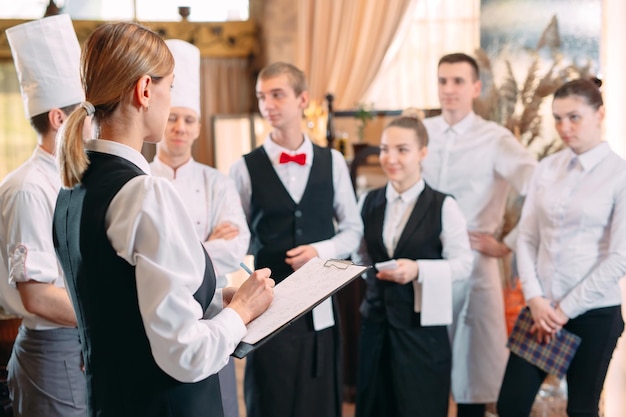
{"x":456,"y":253}
{"x":571,"y":247}
{"x":148,"y":226}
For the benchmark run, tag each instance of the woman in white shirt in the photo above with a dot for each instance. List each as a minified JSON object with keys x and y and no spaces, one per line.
{"x":139,"y":279}
{"x":571,"y":253}
{"x":404,"y":353}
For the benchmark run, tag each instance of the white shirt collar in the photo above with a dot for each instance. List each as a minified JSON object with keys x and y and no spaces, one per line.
{"x":593,"y":156}
{"x":463,"y":125}
{"x":409,"y":195}
{"x":46,"y":157}
{"x":183,"y":171}
{"x":274,"y":150}
{"x":118,"y":149}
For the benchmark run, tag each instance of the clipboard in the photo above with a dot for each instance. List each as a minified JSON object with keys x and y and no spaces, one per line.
{"x":295,"y":296}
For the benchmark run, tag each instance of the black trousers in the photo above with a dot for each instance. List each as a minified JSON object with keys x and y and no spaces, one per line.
{"x":599,"y":330}
{"x":295,"y":374}
{"x":403,"y":372}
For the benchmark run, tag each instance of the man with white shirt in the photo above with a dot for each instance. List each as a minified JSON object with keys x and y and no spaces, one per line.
{"x":45,"y":376}
{"x":300,"y":204}
{"x":476,"y":161}
{"x":210,"y":197}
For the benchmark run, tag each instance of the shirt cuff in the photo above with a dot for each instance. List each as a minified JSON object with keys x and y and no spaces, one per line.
{"x":325,"y":249}
{"x":570,"y":308}
{"x":234,"y":323}
{"x":32,"y":265}
{"x":531,"y":290}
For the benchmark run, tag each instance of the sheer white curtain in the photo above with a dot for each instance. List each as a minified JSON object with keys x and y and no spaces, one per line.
{"x":342,"y":43}
{"x":408,"y":76}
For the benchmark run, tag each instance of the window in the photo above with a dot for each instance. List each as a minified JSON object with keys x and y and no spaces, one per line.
{"x":408,"y":76}
{"x":142,"y":10}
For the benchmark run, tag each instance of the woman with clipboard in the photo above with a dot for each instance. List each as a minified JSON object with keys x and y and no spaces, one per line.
{"x":571,"y":254}
{"x":417,"y":238}
{"x":152,"y":327}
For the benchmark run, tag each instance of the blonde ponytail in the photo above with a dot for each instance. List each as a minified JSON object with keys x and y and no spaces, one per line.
{"x":113,"y":58}
{"x":71,"y":154}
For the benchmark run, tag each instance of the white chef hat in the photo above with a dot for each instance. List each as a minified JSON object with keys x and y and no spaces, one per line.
{"x":186,"y":88}
{"x":46,"y":54}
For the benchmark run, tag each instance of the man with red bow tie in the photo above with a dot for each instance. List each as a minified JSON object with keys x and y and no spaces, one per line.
{"x":300,"y":204}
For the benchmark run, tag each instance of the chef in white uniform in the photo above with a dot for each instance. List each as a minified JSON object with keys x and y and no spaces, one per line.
{"x":45,"y":376}
{"x":475,"y":161}
{"x":210,"y":197}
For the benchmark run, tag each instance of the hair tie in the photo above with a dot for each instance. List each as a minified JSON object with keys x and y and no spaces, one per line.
{"x":89,"y":108}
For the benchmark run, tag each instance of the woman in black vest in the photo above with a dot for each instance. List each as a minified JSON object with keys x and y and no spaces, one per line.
{"x":404,"y":353}
{"x":141,"y":284}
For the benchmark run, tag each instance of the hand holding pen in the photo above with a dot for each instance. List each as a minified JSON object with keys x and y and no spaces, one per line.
{"x":254,"y":296}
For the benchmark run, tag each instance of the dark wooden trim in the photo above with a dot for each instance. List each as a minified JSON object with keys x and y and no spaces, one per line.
{"x":214,"y":39}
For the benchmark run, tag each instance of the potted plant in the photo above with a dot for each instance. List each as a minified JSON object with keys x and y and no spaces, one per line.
{"x":363,"y":114}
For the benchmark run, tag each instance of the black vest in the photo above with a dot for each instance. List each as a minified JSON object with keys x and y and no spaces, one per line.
{"x":277,"y":223}
{"x":122,"y":377}
{"x":420,"y":239}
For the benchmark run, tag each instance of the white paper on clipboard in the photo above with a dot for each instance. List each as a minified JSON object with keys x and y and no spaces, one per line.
{"x":300,"y":292}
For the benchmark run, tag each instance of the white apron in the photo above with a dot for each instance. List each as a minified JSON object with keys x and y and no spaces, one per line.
{"x":480,"y":336}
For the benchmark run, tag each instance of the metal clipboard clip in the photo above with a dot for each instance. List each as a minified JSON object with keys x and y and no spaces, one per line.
{"x":338,"y":263}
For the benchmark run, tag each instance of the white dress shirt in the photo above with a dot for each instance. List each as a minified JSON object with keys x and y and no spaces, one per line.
{"x":28,"y":196}
{"x":295,"y":178}
{"x":456,"y":264}
{"x":149,"y":227}
{"x":572,"y":236}
{"x":211,"y":199}
{"x":475,"y":161}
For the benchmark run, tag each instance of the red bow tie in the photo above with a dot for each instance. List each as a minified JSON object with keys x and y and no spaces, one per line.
{"x":299,"y":158}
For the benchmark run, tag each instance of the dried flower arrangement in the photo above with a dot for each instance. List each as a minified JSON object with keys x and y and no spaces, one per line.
{"x":519,"y":109}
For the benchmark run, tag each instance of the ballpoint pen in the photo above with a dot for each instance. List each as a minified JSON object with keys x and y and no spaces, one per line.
{"x":245,"y":268}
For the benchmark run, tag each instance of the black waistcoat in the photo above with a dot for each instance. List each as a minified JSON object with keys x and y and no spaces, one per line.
{"x":420,"y":239}
{"x":122,"y":377}
{"x":277,"y":223}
